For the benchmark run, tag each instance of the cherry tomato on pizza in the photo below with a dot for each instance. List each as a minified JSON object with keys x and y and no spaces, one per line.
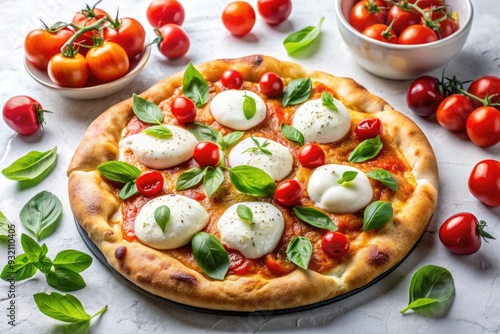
{"x":183,"y":109}
{"x":274,"y":11}
{"x":484,"y":182}
{"x":485,"y":86}
{"x":161,"y":12}
{"x":173,"y":41}
{"x":128,"y":33}
{"x":381,"y":32}
{"x":311,"y":156}
{"x":335,"y":244}
{"x":279,"y":265}
{"x":289,"y":192}
{"x":462,"y":233}
{"x":206,"y":154}
{"x":271,"y":84}
{"x":238,"y":17}
{"x":23,"y":114}
{"x":453,"y":111}
{"x":483,"y":126}
{"x":40,"y":45}
{"x":68,"y":71}
{"x":231,"y":79}
{"x":417,"y":34}
{"x":368,"y":128}
{"x":366,"y":13}
{"x":424,"y":95}
{"x":150,"y":183}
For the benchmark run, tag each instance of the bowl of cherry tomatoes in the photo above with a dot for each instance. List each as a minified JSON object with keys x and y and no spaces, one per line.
{"x":402,"y":40}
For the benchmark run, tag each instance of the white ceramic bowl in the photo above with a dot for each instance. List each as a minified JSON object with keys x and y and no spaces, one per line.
{"x":97,"y":91}
{"x":402,"y":62}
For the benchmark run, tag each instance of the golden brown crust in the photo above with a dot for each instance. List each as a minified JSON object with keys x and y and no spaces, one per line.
{"x":95,"y":204}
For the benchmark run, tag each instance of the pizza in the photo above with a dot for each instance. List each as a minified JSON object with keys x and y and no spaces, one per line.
{"x":253,"y":184}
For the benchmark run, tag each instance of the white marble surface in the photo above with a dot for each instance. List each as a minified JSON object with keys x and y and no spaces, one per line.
{"x":476,"y":308}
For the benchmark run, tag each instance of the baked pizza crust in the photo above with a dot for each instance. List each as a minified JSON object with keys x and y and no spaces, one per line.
{"x":94,"y":204}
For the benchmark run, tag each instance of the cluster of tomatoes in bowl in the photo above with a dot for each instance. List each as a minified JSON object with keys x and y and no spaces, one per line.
{"x":406,"y":22}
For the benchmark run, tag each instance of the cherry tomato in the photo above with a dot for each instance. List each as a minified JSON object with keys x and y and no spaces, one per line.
{"x":206,"y":154}
{"x":424,"y":96}
{"x":289,"y":193}
{"x":311,"y":156}
{"x":447,"y":27}
{"x":417,"y":34}
{"x":128,"y":33}
{"x":161,"y":12}
{"x":238,"y":17}
{"x":274,"y":11}
{"x":271,"y":84}
{"x":453,"y":111}
{"x":68,"y":71}
{"x":428,"y":3}
{"x":366,"y":13}
{"x":278,"y":265}
{"x":487,"y":85}
{"x":23,"y":114}
{"x":462,"y":233}
{"x":335,"y":244}
{"x":150,"y":183}
{"x":231,"y":79}
{"x":41,"y":45}
{"x":484,"y":182}
{"x":483,"y":126}
{"x":183,"y":109}
{"x":173,"y":41}
{"x":368,"y":128}
{"x":238,"y":264}
{"x":381,"y":32}
{"x":88,"y":16}
{"x":402,"y":18}
{"x":108,"y":61}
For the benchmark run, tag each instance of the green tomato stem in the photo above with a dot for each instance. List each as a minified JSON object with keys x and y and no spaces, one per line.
{"x":67,"y":49}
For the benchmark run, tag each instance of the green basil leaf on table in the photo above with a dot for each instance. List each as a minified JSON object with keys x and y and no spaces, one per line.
{"x":189,"y":178}
{"x":299,"y":251}
{"x":21,"y":269}
{"x":212,"y":179}
{"x":146,"y":111}
{"x":431,"y":291}
{"x":296,"y":92}
{"x":65,"y":280}
{"x":31,"y":166}
{"x":128,"y":190}
{"x":79,"y":327}
{"x":45,"y":265}
{"x":210,"y":255}
{"x":314,"y":217}
{"x":162,"y":216}
{"x":327,"y":101}
{"x":252,"y":180}
{"x":376,"y":215}
{"x":203,"y":132}
{"x":347,"y":177}
{"x":4,"y":227}
{"x":244,"y":212}
{"x":366,"y":150}
{"x":158,"y":131}
{"x":73,"y":260}
{"x":385,"y":177}
{"x":31,"y":248}
{"x":195,"y":86}
{"x":302,"y":38}
{"x":119,"y":171}
{"x":292,"y":134}
{"x":41,"y":214}
{"x":249,"y":106}
{"x":66,"y":308}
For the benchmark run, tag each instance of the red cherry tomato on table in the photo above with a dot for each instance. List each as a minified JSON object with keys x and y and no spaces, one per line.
{"x":462,"y":233}
{"x":381,"y":32}
{"x":417,"y":34}
{"x":161,"y":12}
{"x":366,"y":13}
{"x":402,"y":18}
{"x":108,"y":62}
{"x":41,"y":45}
{"x":483,"y":126}
{"x":231,"y":79}
{"x":424,"y":96}
{"x":335,"y":244}
{"x":271,"y":84}
{"x":23,"y":114}
{"x":68,"y":71}
{"x":173,"y":41}
{"x":183,"y":109}
{"x":274,"y":11}
{"x":150,"y":183}
{"x":487,"y":85}
{"x":128,"y":33}
{"x":453,"y":111}
{"x":311,"y":156}
{"x":484,"y":182}
{"x":289,"y":192}
{"x":206,"y":154}
{"x":238,"y":17}
{"x":368,"y":128}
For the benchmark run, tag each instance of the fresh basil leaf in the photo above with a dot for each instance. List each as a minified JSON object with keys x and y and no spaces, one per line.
{"x":158,"y":131}
{"x":376,"y":215}
{"x":195,"y":86}
{"x":299,"y":251}
{"x":31,"y":166}
{"x":366,"y":150}
{"x":252,"y":180}
{"x":230,"y":139}
{"x":244,"y":212}
{"x":259,"y":147}
{"x":30,"y":247}
{"x":162,"y":216}
{"x":119,"y":171}
{"x":19,"y":269}
{"x":44,"y":264}
{"x":249,"y":106}
{"x":314,"y":217}
{"x":189,"y":179}
{"x":65,"y":280}
{"x":210,"y":255}
{"x":296,"y":92}
{"x":41,"y":214}
{"x":73,"y":260}
{"x":431,"y":291}
{"x":327,"y":100}
{"x":347,"y":176}
{"x":128,"y":190}
{"x":203,"y":132}
{"x":65,"y":308}
{"x":212,"y":180}
{"x":5,"y":225}
{"x":79,"y":327}
{"x":300,"y":39}
{"x":385,"y":177}
{"x":292,"y":134}
{"x":146,"y":111}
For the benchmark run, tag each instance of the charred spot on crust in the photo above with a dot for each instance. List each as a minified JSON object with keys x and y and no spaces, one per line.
{"x":184,"y":278}
{"x":120,"y":252}
{"x":257,"y":60}
{"x":378,"y":258}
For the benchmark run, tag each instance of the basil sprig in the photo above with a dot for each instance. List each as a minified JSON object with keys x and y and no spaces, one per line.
{"x":204,"y":132}
{"x":189,"y":178}
{"x":431,"y":291}
{"x":194,"y":86}
{"x":252,"y":180}
{"x":162,"y":216}
{"x":259,"y":147}
{"x":300,"y":39}
{"x":31,"y":166}
{"x":210,"y":255}
{"x":327,"y":101}
{"x":244,"y":212}
{"x":366,"y":150}
{"x":150,"y":113}
{"x":299,"y":251}
{"x":296,"y":92}
{"x":292,"y":134}
{"x":249,"y":106}
{"x":41,"y":214}
{"x":122,"y":172}
{"x":66,"y":308}
{"x":385,"y":177}
{"x":347,"y":177}
{"x":376,"y":215}
{"x":314,"y":217}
